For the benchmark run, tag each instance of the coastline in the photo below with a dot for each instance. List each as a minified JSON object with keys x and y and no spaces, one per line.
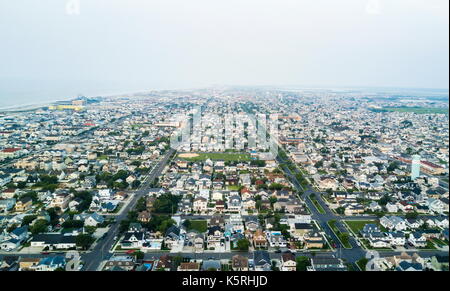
{"x":28,"y":107}
{"x":39,"y":105}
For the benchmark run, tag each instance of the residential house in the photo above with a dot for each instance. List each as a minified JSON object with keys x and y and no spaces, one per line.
{"x":259,"y":239}
{"x":288,"y":262}
{"x":299,"y":230}
{"x":215,"y":237}
{"x":165,"y":263}
{"x":172,"y":236}
{"x":144,"y":216}
{"x":314,"y":240}
{"x":393,"y":223}
{"x":276,"y":239}
{"x":417,"y":239}
{"x":200,"y":204}
{"x":189,"y":267}
{"x":24,"y":204}
{"x":326,"y":263}
{"x":49,"y":264}
{"x":211,"y":265}
{"x":133,"y":240}
{"x":94,"y":220}
{"x":122,"y":262}
{"x":54,"y":241}
{"x":261,"y":261}
{"x":239,"y":263}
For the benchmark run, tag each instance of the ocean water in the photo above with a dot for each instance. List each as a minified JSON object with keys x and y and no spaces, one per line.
{"x":14,"y":94}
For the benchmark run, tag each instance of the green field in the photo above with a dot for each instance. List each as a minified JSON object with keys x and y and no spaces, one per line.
{"x":417,"y":110}
{"x":439,"y":242}
{"x":227,"y":157}
{"x":198,"y":225}
{"x":233,"y":188}
{"x":317,"y":204}
{"x":343,"y":237}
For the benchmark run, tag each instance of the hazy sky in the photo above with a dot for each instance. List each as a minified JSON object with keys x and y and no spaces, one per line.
{"x":146,"y":44}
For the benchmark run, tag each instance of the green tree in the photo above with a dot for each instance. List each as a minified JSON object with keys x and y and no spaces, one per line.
{"x":272,"y":200}
{"x":166,"y":204}
{"x":28,"y":219}
{"x":362,"y":263}
{"x":136,"y":184}
{"x":344,"y":237}
{"x":393,"y":166}
{"x":275,"y":186}
{"x":54,"y":214}
{"x":302,"y":263}
{"x":12,"y":228}
{"x":124,"y":225}
{"x":340,"y":210}
{"x":132,"y":216}
{"x":141,"y":205}
{"x":40,"y":226}
{"x":384,"y":200}
{"x":187,"y":224}
{"x":21,"y":185}
{"x":412,"y":215}
{"x":90,"y":229}
{"x":72,"y":224}
{"x":84,"y":241}
{"x":177,"y":260}
{"x":165,"y":225}
{"x":243,"y":244}
{"x":139,"y":255}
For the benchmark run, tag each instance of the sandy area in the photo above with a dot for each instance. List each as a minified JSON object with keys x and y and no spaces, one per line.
{"x":188,"y":155}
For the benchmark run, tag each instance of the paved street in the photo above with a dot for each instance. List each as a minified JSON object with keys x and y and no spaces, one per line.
{"x":349,"y":255}
{"x":101,"y":250}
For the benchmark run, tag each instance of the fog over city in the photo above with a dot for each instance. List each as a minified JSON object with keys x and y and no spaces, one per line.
{"x":251,"y":136}
{"x":55,"y":47}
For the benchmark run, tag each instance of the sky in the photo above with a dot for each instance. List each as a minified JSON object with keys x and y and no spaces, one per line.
{"x":126,"y":45}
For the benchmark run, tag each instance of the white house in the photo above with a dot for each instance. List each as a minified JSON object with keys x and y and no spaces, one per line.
{"x":392,"y":208}
{"x":418,"y":240}
{"x":393,"y":223}
{"x":200,"y":204}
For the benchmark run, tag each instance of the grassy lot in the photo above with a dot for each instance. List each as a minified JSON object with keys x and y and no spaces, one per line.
{"x":362,"y":263}
{"x":327,"y":199}
{"x":343,"y":237}
{"x":199,"y":225}
{"x":430,"y":246}
{"x":351,"y":267}
{"x":417,"y":110}
{"x":439,"y":242}
{"x":357,"y":225}
{"x":228,"y":157}
{"x":233,"y":188}
{"x":317,"y":204}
